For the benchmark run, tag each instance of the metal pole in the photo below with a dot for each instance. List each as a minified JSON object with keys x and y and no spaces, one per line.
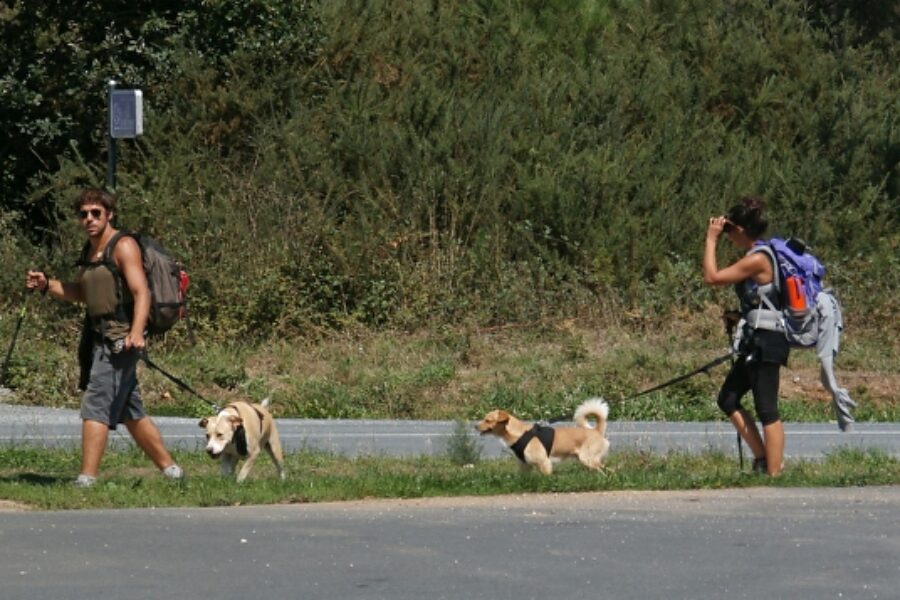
{"x":110,"y":140}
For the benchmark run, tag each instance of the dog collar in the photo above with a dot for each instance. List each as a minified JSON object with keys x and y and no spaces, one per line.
{"x":542,"y":432}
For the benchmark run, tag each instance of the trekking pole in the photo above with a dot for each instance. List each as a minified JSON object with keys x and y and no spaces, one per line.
{"x":731,"y":318}
{"x":12,"y":343}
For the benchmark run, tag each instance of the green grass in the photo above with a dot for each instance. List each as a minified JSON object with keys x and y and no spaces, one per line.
{"x":537,"y":371}
{"x":41,"y":479}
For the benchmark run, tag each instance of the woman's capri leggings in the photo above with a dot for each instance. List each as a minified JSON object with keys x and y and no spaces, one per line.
{"x":759,"y":377}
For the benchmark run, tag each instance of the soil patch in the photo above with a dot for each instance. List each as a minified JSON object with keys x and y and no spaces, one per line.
{"x":10,"y":506}
{"x":804,"y":382}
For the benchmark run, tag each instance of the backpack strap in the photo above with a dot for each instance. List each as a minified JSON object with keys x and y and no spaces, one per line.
{"x":111,"y":245}
{"x":766,"y":248}
{"x":122,"y":313}
{"x":83,"y":257}
{"x":768,"y":317}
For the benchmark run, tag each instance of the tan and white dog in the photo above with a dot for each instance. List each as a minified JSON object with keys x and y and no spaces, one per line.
{"x":243,"y":430}
{"x":541,"y":446}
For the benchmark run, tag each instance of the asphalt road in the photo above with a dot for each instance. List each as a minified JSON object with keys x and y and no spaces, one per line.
{"x":744,"y":543}
{"x":37,"y":426}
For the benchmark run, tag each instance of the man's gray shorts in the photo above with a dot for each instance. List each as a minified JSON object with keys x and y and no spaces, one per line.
{"x":112,"y":394}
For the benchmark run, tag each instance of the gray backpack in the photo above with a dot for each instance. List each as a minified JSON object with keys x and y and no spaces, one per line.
{"x":166,"y":278}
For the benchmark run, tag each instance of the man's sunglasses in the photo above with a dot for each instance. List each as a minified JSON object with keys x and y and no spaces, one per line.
{"x":728,"y":227}
{"x":94,"y":212}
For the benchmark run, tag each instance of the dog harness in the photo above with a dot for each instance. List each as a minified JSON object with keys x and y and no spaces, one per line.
{"x":543,"y":433}
{"x":240,"y":434}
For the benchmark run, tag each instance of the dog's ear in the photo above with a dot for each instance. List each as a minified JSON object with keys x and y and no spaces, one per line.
{"x":235,"y":421}
{"x":203,"y":422}
{"x":502,"y":416}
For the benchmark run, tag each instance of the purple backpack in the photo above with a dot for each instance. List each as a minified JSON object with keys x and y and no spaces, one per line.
{"x":800,"y":275}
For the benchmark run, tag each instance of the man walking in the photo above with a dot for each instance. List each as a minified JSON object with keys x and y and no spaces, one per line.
{"x":113,"y":287}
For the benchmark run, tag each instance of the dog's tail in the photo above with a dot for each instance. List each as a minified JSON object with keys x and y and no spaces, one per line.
{"x":596,"y":407}
{"x":265,"y":402}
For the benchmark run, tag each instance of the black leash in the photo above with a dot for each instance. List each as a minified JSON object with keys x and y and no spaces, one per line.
{"x":704,"y":369}
{"x":177,"y":381}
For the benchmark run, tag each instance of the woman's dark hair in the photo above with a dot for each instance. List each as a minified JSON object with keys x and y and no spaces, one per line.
{"x":749,"y":215}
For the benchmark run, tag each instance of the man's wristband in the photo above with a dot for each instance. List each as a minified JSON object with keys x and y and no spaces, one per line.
{"x":46,"y":286}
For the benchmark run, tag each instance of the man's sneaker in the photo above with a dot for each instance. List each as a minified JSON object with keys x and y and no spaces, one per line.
{"x":760,"y":466}
{"x":84,"y":481}
{"x":173,"y":472}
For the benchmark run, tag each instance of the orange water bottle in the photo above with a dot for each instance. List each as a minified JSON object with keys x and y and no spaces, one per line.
{"x":795,"y":295}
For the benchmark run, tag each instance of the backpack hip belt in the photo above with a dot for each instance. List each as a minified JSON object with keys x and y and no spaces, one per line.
{"x":765,"y":318}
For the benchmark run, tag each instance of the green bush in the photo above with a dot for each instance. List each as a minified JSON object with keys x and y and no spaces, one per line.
{"x":407,"y":164}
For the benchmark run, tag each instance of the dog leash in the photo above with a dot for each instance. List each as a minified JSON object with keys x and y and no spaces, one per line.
{"x":143,"y":356}
{"x":704,"y":369}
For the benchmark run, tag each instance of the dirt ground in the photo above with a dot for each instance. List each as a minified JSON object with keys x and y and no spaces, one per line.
{"x":879,"y":388}
{"x":10,"y":506}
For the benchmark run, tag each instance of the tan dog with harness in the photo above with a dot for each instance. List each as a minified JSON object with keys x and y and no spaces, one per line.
{"x":541,"y":446}
{"x":243,"y":430}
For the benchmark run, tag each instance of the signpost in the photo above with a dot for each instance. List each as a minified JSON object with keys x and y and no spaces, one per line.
{"x":126,"y":120}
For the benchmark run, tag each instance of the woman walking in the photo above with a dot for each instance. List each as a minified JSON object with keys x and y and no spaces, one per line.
{"x":761,"y":353}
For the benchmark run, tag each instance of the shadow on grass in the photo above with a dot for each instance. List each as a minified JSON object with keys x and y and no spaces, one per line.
{"x":35,"y":479}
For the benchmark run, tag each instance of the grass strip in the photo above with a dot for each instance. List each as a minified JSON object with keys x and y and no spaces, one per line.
{"x":41,"y":479}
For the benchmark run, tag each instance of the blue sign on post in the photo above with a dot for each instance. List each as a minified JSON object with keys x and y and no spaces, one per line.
{"x":126,"y":113}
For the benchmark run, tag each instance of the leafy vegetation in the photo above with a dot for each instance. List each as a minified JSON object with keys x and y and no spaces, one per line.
{"x":417,"y":179}
{"x":537,"y":372}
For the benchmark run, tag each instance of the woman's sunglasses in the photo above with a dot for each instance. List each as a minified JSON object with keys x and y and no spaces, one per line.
{"x":94,"y":212}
